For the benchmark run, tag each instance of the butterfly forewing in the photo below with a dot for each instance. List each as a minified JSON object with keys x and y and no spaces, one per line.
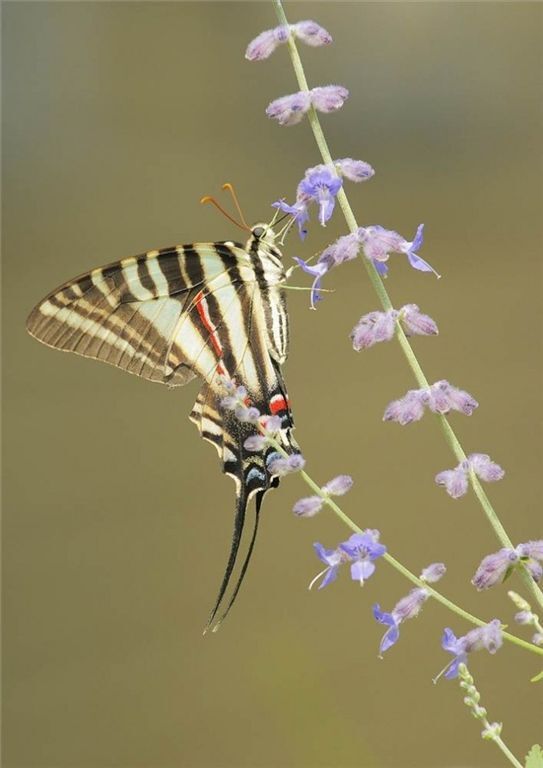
{"x":212,"y":310}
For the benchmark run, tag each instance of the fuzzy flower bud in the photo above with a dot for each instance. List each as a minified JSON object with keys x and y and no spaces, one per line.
{"x":311,"y":33}
{"x":407,"y":608}
{"x":488,"y":637}
{"x":338,"y":486}
{"x":415,"y":322}
{"x":281,"y":466}
{"x":433,"y":573}
{"x":329,"y":98}
{"x":373,"y":328}
{"x":455,"y":481}
{"x":354,"y":170}
{"x":289,"y":110}
{"x":308,"y":506}
{"x":407,"y":409}
{"x":265,"y":44}
{"x":494,"y":568}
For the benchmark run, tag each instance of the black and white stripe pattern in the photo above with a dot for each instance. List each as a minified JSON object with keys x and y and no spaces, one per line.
{"x":206,"y":310}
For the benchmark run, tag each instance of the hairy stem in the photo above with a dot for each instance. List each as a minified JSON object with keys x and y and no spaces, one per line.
{"x":386,"y":302}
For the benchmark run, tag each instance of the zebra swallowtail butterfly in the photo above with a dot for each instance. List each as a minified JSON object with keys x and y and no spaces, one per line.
{"x":206,"y":310}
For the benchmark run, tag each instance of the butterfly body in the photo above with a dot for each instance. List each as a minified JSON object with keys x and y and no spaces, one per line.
{"x":215,"y":311}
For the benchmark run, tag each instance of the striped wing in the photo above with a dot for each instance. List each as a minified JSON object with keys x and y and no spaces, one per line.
{"x":170,"y":315}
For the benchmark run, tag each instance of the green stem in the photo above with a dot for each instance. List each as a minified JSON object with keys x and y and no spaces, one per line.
{"x":507,"y":752}
{"x":386,"y":302}
{"x":396,"y":564}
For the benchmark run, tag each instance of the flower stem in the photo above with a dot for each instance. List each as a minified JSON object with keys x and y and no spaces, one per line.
{"x":396,"y":564}
{"x":386,"y":302}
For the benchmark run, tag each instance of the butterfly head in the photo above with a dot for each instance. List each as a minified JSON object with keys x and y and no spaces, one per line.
{"x":263,"y":234}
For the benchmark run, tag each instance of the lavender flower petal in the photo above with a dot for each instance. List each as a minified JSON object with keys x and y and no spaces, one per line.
{"x":392,"y":634}
{"x":322,"y":185}
{"x":373,"y":328}
{"x":494,"y":568}
{"x":433,"y":572}
{"x":532,"y":549}
{"x":255,"y":443}
{"x":405,"y":410}
{"x":318,"y":271}
{"x":345,"y":248}
{"x":299,"y":211}
{"x":485,"y":468}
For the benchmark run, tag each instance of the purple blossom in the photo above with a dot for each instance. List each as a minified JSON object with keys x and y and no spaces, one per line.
{"x":378,"y":243}
{"x":362,"y":549}
{"x":308,"y":506}
{"x":407,"y":608}
{"x":354,"y":170}
{"x":311,"y":33}
{"x":415,"y":322}
{"x":255,"y":443}
{"x":338,"y":486}
{"x":407,"y":409}
{"x":497,"y":566}
{"x":488,"y":637}
{"x":329,"y":98}
{"x":249,"y":414}
{"x":321,"y":185}
{"x":433,"y":573}
{"x":455,"y":481}
{"x":281,"y":466}
{"x":289,"y":110}
{"x":333,"y":559}
{"x":298,"y":211}
{"x":266,"y":42}
{"x":272,"y":424}
{"x":373,"y":328}
{"x":317,"y":271}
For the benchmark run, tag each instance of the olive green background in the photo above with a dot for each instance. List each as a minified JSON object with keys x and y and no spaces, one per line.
{"x":117,"y":118}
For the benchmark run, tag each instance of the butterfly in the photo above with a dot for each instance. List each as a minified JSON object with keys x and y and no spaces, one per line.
{"x":212,"y":311}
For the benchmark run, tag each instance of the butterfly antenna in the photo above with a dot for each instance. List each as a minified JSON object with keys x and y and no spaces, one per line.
{"x":209,"y":199}
{"x":230,"y":188}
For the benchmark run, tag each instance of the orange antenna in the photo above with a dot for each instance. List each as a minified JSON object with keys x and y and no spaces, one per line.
{"x":230,"y":188}
{"x":209,"y":199}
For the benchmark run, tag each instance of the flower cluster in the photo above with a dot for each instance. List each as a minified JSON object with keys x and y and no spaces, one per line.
{"x":360,"y":550}
{"x":527,"y":617}
{"x":456,"y":481}
{"x":310,"y":505}
{"x":380,"y":326}
{"x":498,"y":566}
{"x":440,"y":397}
{"x":489,"y":637}
{"x":290,"y":109}
{"x":407,"y":608}
{"x":308,"y":32}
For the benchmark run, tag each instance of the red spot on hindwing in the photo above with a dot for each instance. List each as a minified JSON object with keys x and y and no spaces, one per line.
{"x":278,"y":404}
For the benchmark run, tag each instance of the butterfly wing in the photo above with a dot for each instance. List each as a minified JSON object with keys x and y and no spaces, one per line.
{"x":170,"y":315}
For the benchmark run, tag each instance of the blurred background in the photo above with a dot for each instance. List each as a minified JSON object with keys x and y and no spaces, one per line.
{"x":118,"y":117}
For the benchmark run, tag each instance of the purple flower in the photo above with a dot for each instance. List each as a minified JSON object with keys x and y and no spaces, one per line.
{"x":311,"y":33}
{"x":333,"y":559}
{"x":354,"y":170}
{"x":255,"y":443}
{"x":488,"y":637}
{"x":299,"y":211}
{"x":289,"y":110}
{"x":266,"y":43}
{"x":373,"y":328}
{"x":247,"y":414}
{"x":378,"y":243}
{"x":415,"y":322}
{"x":407,"y":409}
{"x":272,"y":424}
{"x":308,"y":506}
{"x":338,"y":486}
{"x":321,"y":185}
{"x":433,"y":572}
{"x":362,"y":549}
{"x":533,"y":549}
{"x":495,"y":568}
{"x":317,"y":271}
{"x":407,"y":608}
{"x":329,"y":98}
{"x":455,"y":481}
{"x":281,"y":466}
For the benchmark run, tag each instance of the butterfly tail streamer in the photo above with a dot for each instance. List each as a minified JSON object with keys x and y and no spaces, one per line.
{"x":239,"y":523}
